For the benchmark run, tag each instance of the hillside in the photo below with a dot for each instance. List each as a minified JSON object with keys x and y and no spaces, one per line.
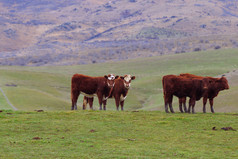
{"x":48,"y":87}
{"x":63,"y":32}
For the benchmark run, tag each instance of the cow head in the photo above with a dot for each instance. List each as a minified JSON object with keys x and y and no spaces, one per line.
{"x":127,"y":80}
{"x":222,"y":83}
{"x":207,"y":83}
{"x":111,"y":80}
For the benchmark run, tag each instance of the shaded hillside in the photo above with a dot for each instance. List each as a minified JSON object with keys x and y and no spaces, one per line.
{"x":44,"y":32}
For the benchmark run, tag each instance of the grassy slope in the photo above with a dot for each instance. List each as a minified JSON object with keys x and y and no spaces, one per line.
{"x":48,"y":87}
{"x":111,"y":134}
{"x":3,"y":102}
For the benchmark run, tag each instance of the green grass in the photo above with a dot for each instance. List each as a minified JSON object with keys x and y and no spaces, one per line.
{"x":3,"y":102}
{"x":111,"y":134}
{"x":48,"y":87}
{"x":58,"y":133}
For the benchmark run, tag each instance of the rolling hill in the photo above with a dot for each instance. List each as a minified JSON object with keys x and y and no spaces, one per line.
{"x":63,"y":32}
{"x":48,"y":87}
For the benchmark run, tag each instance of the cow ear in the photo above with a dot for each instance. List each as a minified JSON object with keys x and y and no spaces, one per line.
{"x":105,"y":76}
{"x":116,"y":77}
{"x":121,"y":77}
{"x":133,"y":77}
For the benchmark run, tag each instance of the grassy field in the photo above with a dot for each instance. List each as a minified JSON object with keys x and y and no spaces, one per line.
{"x":135,"y":133}
{"x":112,"y":134}
{"x":48,"y":87}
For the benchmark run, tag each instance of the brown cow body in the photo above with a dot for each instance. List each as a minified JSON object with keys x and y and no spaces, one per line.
{"x":214,"y":87}
{"x":119,"y":92}
{"x":182,"y":87}
{"x":91,"y":86}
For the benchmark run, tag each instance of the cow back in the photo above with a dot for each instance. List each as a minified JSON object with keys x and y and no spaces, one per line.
{"x":88,"y":84}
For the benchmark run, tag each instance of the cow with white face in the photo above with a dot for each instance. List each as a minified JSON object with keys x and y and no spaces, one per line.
{"x":127,"y":80}
{"x":110,"y":80}
{"x":121,"y":88}
{"x":119,"y":92}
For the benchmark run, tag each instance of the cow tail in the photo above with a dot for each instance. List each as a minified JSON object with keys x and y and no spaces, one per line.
{"x":72,"y":81}
{"x":163,"y":84}
{"x":73,"y":87}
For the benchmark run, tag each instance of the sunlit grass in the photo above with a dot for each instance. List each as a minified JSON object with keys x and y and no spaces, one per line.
{"x":111,"y":134}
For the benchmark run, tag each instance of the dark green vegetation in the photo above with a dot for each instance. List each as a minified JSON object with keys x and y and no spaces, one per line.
{"x":111,"y":134}
{"x":48,"y":87}
{"x":159,"y":33}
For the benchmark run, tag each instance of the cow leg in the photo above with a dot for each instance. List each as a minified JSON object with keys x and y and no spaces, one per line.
{"x":104,"y":104}
{"x":122,"y":105}
{"x":180,"y":104}
{"x":204,"y":104}
{"x":117,"y":101}
{"x":74,"y":98}
{"x":170,"y":105}
{"x":100,"y":97}
{"x":189,"y":106}
{"x":90,"y":101}
{"x":184,"y":105}
{"x":85,"y":102}
{"x":171,"y":108}
{"x":193,"y":105}
{"x":166,"y":107}
{"x":166,"y":104}
{"x":211,"y":105}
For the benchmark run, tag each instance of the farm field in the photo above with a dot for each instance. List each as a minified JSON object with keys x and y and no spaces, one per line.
{"x":142,"y":131}
{"x":48,"y":87}
{"x":112,"y":134}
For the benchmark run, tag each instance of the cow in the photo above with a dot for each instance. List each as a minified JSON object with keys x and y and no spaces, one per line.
{"x":182,"y":87}
{"x":119,"y":92}
{"x":214,"y":87}
{"x":90,"y":87}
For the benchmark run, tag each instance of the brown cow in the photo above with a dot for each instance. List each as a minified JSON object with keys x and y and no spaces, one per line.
{"x":182,"y":87}
{"x":119,"y":92}
{"x":91,"y":86}
{"x":215,"y":86}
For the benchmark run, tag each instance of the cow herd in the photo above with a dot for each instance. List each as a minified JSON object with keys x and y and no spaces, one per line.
{"x":117,"y":87}
{"x":105,"y":87}
{"x":194,"y":87}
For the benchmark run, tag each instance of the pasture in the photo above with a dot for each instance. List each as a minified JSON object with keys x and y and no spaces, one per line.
{"x":137,"y":132}
{"x":48,"y":87}
{"x":111,"y":134}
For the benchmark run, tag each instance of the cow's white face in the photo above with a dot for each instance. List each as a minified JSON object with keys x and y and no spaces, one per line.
{"x":111,"y":80}
{"x":127,"y":80}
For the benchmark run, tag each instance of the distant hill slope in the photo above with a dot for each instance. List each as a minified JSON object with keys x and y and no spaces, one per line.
{"x":48,"y":87}
{"x":45,"y":32}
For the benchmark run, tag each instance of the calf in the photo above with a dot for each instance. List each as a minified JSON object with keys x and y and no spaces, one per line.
{"x":182,"y":87}
{"x":90,"y":87}
{"x":215,"y":85}
{"x":119,"y":92}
